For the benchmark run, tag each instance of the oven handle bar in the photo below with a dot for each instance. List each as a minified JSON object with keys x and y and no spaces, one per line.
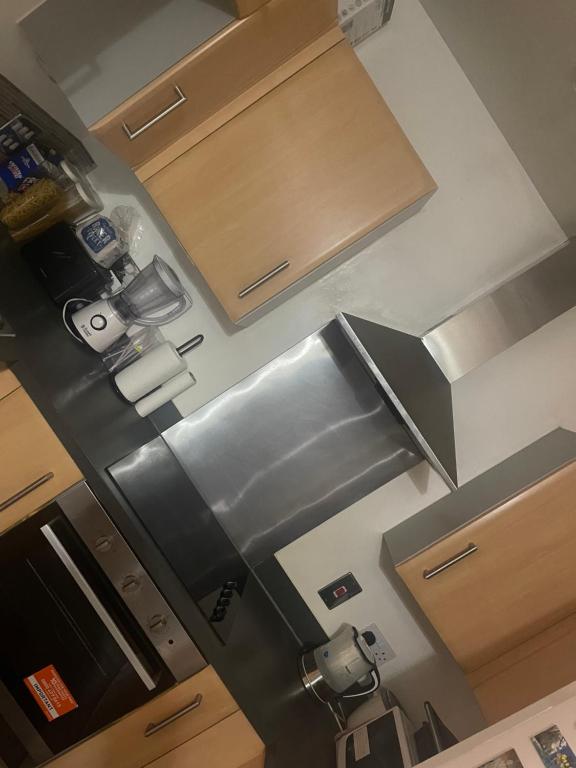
{"x":95,"y":602}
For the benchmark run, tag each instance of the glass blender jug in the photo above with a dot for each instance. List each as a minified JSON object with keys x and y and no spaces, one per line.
{"x":155,"y":297}
{"x":156,"y":288}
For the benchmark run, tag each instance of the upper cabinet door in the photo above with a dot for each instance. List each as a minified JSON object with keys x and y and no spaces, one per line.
{"x":309,"y":169}
{"x":505,"y":577}
{"x":35,"y":466}
{"x":212,"y":76}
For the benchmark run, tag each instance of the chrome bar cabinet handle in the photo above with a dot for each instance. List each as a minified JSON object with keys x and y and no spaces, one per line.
{"x":25,"y":491}
{"x":470,"y":549}
{"x":263,"y":279}
{"x":155,"y":727}
{"x":182,"y":99}
{"x":98,"y":606}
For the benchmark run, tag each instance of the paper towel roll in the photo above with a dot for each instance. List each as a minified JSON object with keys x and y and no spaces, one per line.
{"x":155,"y":367}
{"x":165,"y":393}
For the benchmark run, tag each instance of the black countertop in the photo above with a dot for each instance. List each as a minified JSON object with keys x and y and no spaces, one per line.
{"x":72,"y":388}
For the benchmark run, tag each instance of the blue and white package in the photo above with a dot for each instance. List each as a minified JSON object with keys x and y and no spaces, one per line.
{"x":99,"y":238}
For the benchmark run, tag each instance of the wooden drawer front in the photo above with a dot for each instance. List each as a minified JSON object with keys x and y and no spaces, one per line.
{"x":233,"y":743}
{"x":213,"y":75}
{"x":124,"y":744}
{"x":307,"y":170}
{"x":526,"y":674}
{"x":31,"y":453}
{"x":8,"y":382}
{"x":521,"y":580}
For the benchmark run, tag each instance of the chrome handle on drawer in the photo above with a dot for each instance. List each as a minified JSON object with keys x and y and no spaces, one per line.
{"x":155,"y":727}
{"x":182,"y":99}
{"x":263,"y":279}
{"x":470,"y":549}
{"x":25,"y":491}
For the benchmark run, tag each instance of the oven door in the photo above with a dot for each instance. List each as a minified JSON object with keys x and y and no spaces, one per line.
{"x":73,"y":658}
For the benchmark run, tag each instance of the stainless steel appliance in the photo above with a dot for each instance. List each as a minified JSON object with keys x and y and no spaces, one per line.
{"x":87,"y":636}
{"x":330,"y":670}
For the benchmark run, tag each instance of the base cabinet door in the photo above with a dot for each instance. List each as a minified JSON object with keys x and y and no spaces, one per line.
{"x":157,"y":728}
{"x":233,"y":743}
{"x":35,"y":465}
{"x":529,"y":672}
{"x":8,"y":382}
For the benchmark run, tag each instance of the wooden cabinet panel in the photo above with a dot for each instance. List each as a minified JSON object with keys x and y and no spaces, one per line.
{"x":246,"y":7}
{"x":529,"y":672}
{"x":519,"y":582}
{"x":213,"y":75}
{"x":309,"y":169}
{"x":30,"y":452}
{"x":124,"y":745}
{"x":8,"y":382}
{"x":233,"y":743}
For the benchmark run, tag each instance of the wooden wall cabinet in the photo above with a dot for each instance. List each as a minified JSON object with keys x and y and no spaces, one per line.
{"x":212,"y":76}
{"x":501,"y":593}
{"x":306,"y":172}
{"x":35,"y":466}
{"x":270,"y":152}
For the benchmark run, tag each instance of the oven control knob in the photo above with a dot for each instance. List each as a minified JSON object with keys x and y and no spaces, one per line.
{"x":103,"y":544}
{"x":130,"y":584}
{"x":157,"y":623}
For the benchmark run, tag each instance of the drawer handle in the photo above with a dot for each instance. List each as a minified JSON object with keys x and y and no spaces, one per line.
{"x":263,"y":279}
{"x":155,"y":727}
{"x":182,"y":99}
{"x":25,"y":491}
{"x":470,"y":549}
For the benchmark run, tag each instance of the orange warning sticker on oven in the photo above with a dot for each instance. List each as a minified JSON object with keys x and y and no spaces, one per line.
{"x":50,"y":692}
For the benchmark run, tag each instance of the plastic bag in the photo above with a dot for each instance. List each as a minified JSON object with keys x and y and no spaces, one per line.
{"x":129,"y":227}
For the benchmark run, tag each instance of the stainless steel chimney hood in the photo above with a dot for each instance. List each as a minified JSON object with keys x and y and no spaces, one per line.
{"x":417,"y":372}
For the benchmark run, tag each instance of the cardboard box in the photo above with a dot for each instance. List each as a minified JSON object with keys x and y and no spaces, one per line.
{"x":360,"y":18}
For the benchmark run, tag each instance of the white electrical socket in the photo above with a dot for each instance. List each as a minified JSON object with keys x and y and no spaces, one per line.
{"x":381,"y":649}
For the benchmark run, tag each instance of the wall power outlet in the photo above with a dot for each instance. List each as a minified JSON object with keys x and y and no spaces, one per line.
{"x":382,"y":649}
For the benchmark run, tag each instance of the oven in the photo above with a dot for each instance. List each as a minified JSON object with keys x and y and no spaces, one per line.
{"x":86,"y":635}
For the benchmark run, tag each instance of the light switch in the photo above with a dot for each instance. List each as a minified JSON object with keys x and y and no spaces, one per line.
{"x":339,"y":591}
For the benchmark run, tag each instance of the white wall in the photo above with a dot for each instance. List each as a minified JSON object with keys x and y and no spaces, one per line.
{"x":519,"y":56}
{"x":485,"y":222}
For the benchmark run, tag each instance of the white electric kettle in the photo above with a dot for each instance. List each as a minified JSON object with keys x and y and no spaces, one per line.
{"x":332,"y":669}
{"x":155,"y":297}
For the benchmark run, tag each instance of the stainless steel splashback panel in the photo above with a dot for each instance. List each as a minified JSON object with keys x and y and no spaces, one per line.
{"x":293,"y":444}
